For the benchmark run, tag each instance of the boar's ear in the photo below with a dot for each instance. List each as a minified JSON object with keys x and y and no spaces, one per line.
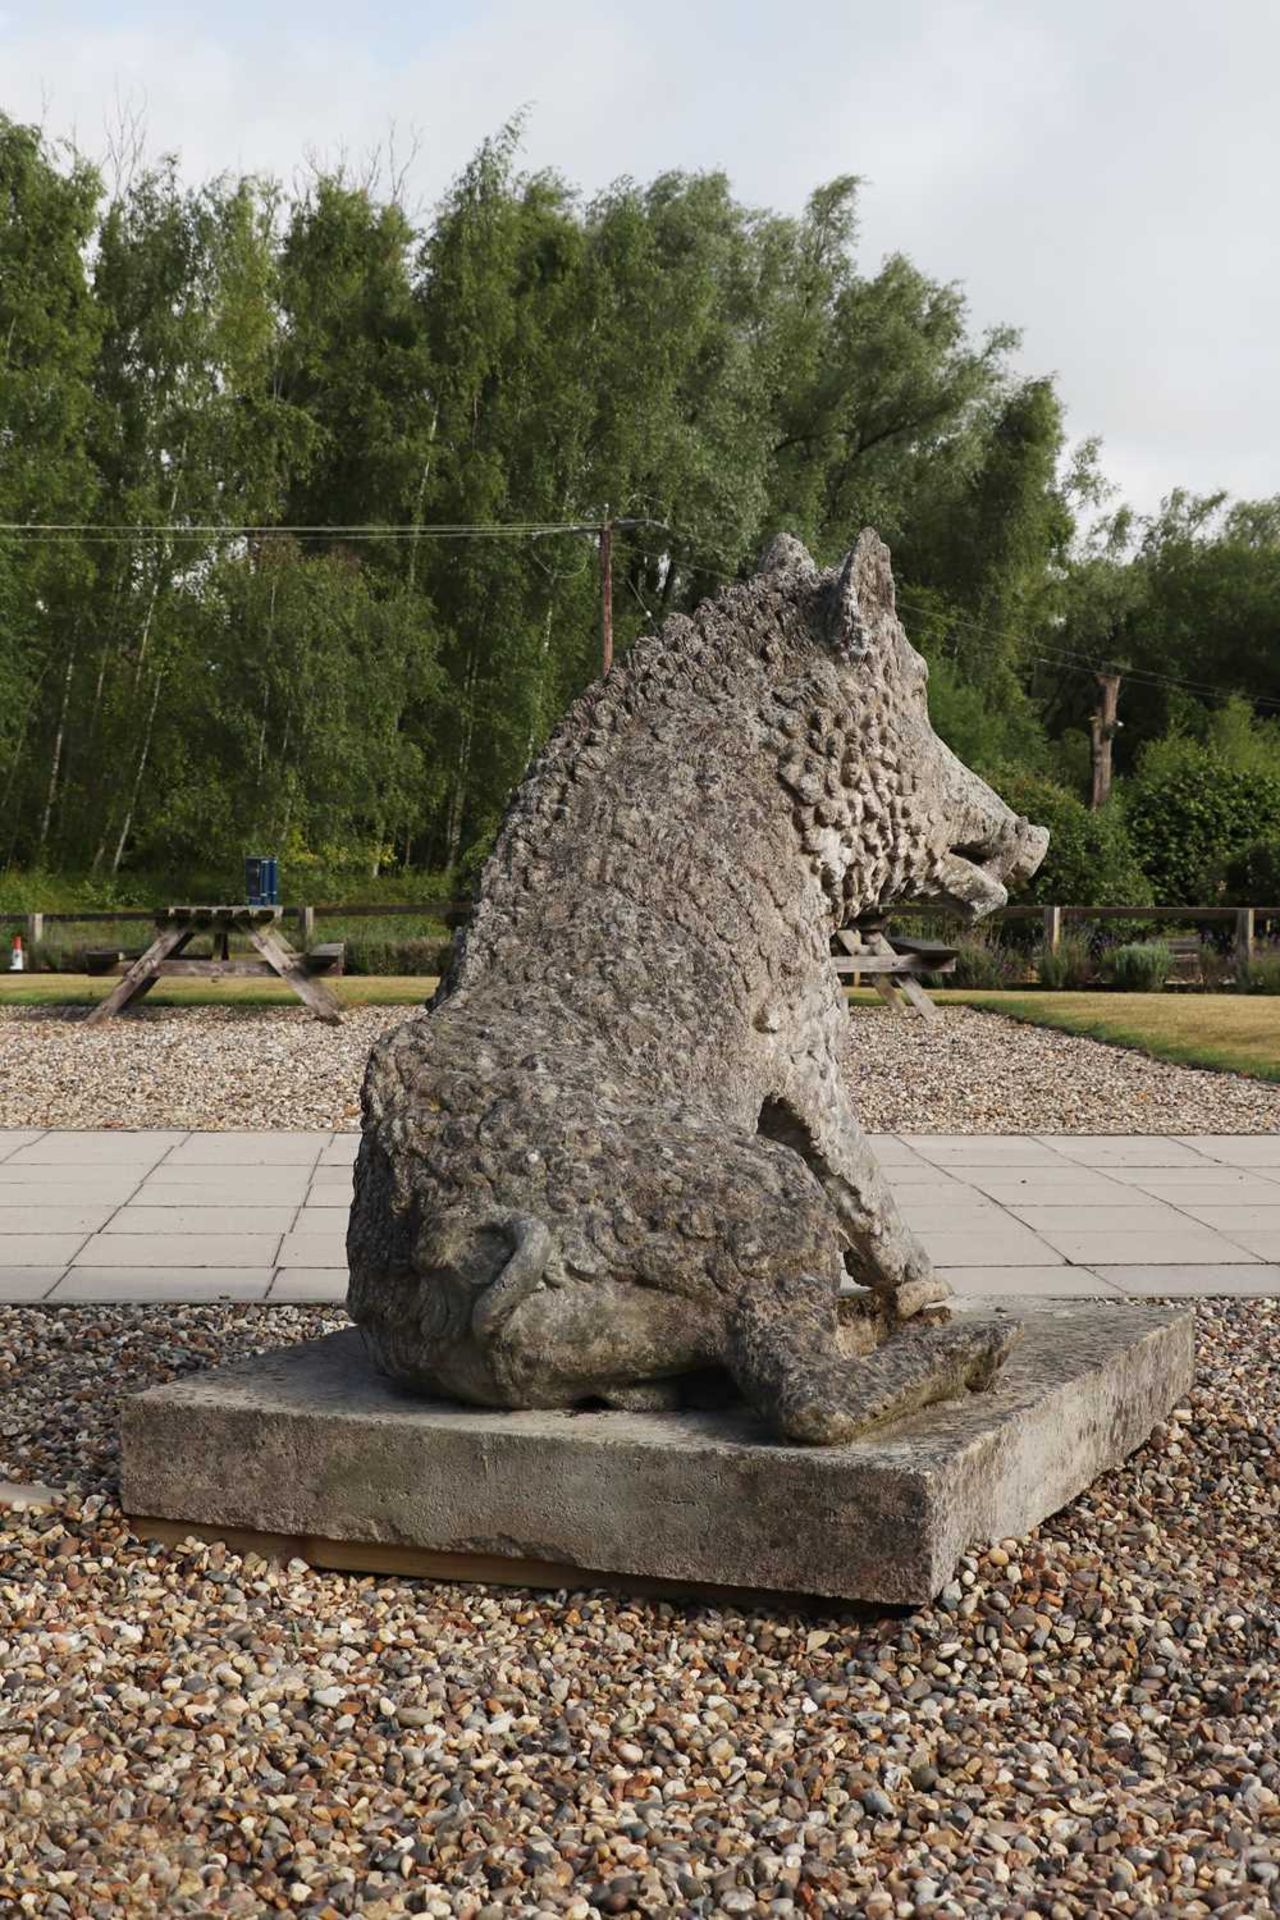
{"x":861,"y":597}
{"x":785,"y":558}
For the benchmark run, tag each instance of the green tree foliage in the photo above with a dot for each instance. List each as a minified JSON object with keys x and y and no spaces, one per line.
{"x":291,"y":404}
{"x":1092,"y":861}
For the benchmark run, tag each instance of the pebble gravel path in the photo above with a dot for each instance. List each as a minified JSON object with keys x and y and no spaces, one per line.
{"x":219,"y":1067}
{"x":1086,"y":1723}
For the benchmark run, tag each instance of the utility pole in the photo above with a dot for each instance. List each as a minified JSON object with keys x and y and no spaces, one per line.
{"x":606,"y":593}
{"x":1103,"y":727}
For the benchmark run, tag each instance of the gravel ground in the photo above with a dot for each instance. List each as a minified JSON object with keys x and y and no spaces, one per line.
{"x":227,"y":1067}
{"x":1085,"y":1724}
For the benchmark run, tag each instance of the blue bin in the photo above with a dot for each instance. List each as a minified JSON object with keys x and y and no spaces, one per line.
{"x":262,"y":880}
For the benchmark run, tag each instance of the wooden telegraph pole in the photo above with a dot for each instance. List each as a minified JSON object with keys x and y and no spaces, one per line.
{"x":606,"y":593}
{"x":1102,"y":727}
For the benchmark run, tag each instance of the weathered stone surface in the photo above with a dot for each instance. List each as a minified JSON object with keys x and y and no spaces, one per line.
{"x":313,"y":1442}
{"x":618,"y":1147}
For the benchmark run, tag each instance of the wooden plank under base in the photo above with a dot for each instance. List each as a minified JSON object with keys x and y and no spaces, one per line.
{"x":467,"y":1569}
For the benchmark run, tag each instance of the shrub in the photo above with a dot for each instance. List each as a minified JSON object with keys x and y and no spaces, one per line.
{"x":1190,"y":816}
{"x":1070,"y":966}
{"x":1142,"y":966}
{"x":1262,"y":975}
{"x":1090,"y":862}
{"x":407,"y":955}
{"x":983,"y":963}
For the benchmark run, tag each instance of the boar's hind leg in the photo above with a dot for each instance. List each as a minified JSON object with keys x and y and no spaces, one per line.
{"x":884,"y":1254}
{"x":784,"y":1353}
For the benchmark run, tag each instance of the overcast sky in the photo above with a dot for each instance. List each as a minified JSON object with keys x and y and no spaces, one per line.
{"x":1100,"y":173}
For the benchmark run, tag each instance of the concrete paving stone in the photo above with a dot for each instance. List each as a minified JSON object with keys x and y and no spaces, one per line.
{"x":1149,"y":1216}
{"x":983,"y":1150}
{"x":228,"y":1193}
{"x":64,"y":1214}
{"x":95,"y":1148}
{"x":923,"y":1173}
{"x":43,"y":1185}
{"x":1107,"y":1150}
{"x":179,"y":1252}
{"x":891,"y":1150}
{"x":339,"y":1181}
{"x":1186,"y":1282}
{"x":939,"y":1213}
{"x":1073,"y":1187}
{"x":1102,"y":1248}
{"x":315,"y":1248}
{"x":1232,"y":1217}
{"x":1262,"y":1242}
{"x":198,"y":1221}
{"x":1214,"y":1186}
{"x":329,"y":1202}
{"x":100,"y":1284}
{"x":40,"y":1249}
{"x":1238,"y":1149}
{"x":329,"y":1222}
{"x":19,"y":1286}
{"x":249,"y":1149}
{"x":1006,"y":1244}
{"x":11,"y":1138}
{"x":341,"y":1150}
{"x":309,"y":1283}
{"x":1043,"y":1283}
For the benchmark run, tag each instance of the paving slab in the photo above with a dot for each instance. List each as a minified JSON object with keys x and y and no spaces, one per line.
{"x":1124,"y":1150}
{"x":49,"y":1215}
{"x":248,"y":1149}
{"x":1239,"y":1149}
{"x":341,"y":1151}
{"x":199,"y":1221}
{"x":23,"y":1285}
{"x":309,"y":1447}
{"x":150,"y":1286}
{"x":1007,"y":1244}
{"x":983,"y":1150}
{"x":226,"y":1193}
{"x":1263,"y":1243}
{"x":1214,"y":1186}
{"x":1175,"y":1282}
{"x":1063,"y":1186}
{"x":95,"y":1149}
{"x":40,"y":1249}
{"x":316,"y":1248}
{"x":1183,"y":1242}
{"x":1041,"y":1283}
{"x":320,"y":1284}
{"x":178,"y":1252}
{"x":11,"y":1138}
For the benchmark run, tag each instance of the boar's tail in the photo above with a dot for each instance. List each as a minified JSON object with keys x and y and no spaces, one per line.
{"x":531,"y":1246}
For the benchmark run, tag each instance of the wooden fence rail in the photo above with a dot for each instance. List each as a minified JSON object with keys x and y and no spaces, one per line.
{"x":1052,"y":918}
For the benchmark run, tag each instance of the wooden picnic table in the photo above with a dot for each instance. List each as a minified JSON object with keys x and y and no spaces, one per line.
{"x":892,"y":963}
{"x":177,"y":926}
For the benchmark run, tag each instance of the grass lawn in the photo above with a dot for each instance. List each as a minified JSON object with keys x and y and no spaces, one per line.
{"x":1236,"y":1032}
{"x":81,"y":989}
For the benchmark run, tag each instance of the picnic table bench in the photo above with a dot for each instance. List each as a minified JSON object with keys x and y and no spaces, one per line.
{"x":893,"y":963}
{"x":177,"y":926}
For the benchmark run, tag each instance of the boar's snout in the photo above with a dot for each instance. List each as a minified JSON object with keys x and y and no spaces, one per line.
{"x":991,"y":852}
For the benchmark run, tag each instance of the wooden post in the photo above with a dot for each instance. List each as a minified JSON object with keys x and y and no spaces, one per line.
{"x":1052,"y":928}
{"x":306,"y":924}
{"x":1102,"y":728}
{"x":606,"y":593}
{"x":35,"y":929}
{"x":1244,"y":938}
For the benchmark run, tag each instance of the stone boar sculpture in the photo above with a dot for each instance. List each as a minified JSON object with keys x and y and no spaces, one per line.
{"x":618,"y":1148}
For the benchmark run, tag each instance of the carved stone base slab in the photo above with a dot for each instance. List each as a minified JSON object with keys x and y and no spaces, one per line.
{"x":311,"y":1447}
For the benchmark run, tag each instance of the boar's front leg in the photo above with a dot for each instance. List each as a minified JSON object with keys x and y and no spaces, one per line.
{"x":819,"y":1123}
